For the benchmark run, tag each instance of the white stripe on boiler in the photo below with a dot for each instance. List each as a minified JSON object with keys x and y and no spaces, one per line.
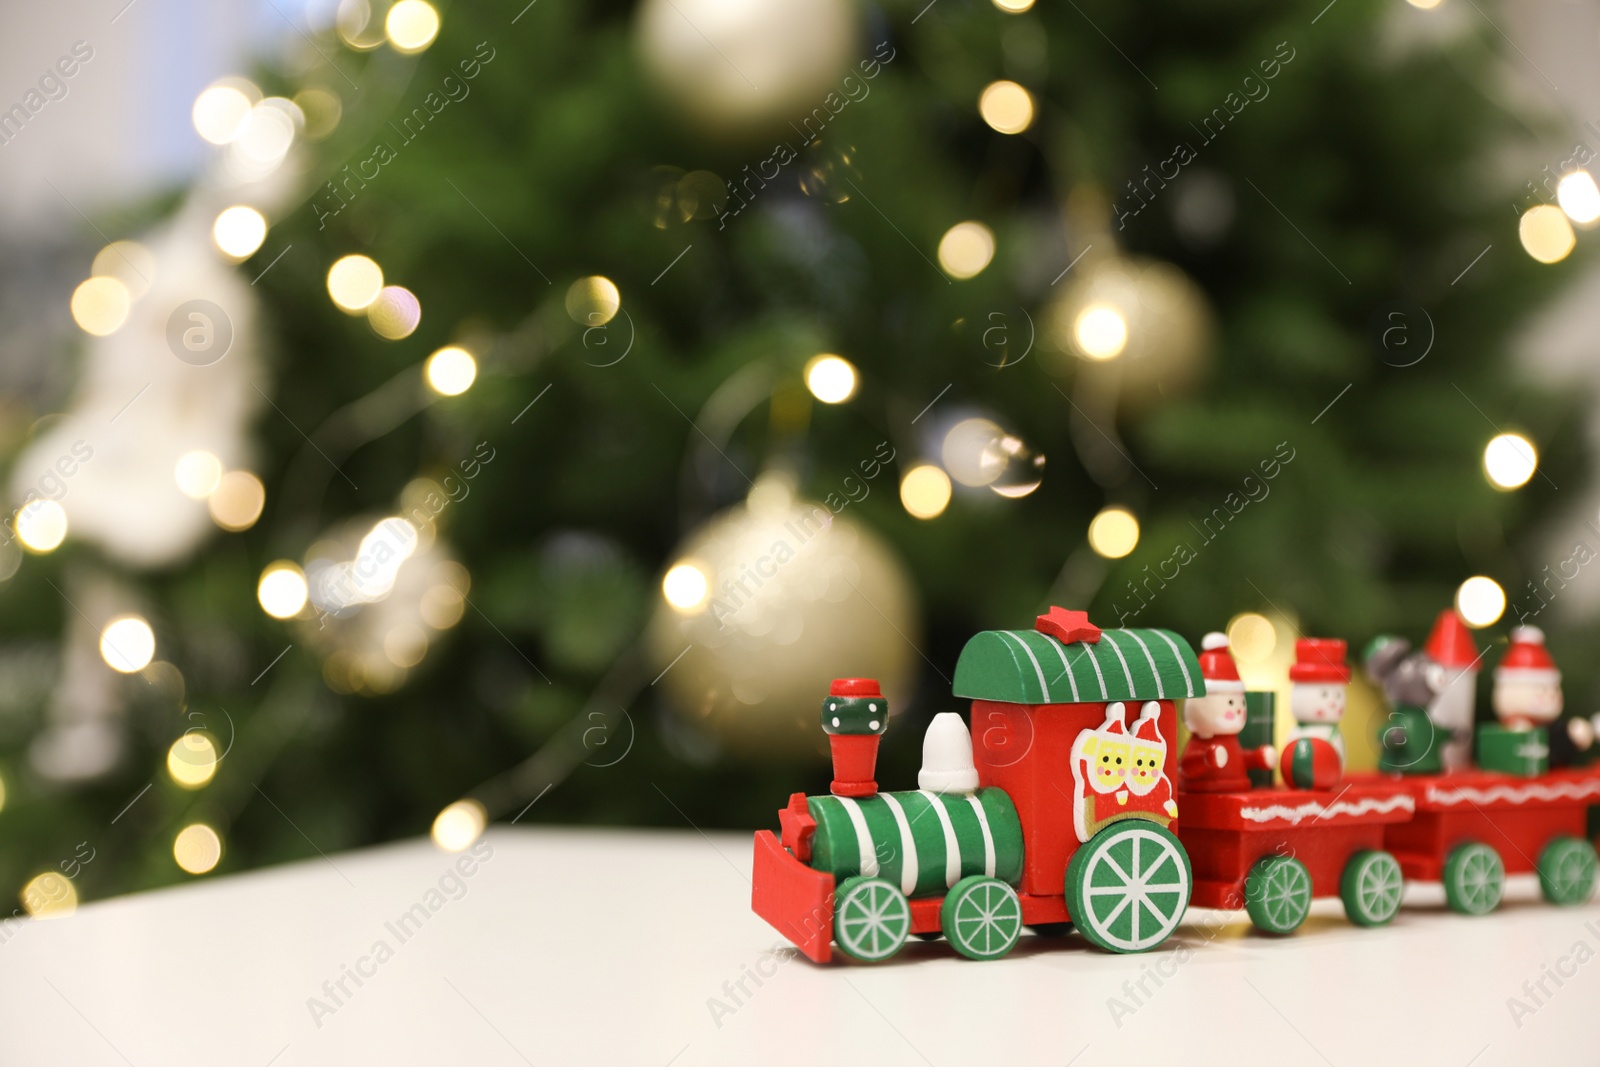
{"x":908,"y":847}
{"x":858,"y":821}
{"x":952,"y":847}
{"x":988,"y":836}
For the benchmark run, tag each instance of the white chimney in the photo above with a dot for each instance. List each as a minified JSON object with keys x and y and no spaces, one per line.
{"x":947,"y":756}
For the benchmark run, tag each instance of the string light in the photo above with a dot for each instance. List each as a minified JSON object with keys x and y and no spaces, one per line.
{"x":127,"y":644}
{"x":411,"y":26}
{"x":239,"y":231}
{"x":197,"y":848}
{"x":192,"y":760}
{"x":354,"y":282}
{"x":221,"y":109}
{"x":1480,"y":601}
{"x":686,"y":586}
{"x":1546,"y":234}
{"x":1509,"y":461}
{"x":1006,"y":107}
{"x":831,"y":379}
{"x":197,"y":474}
{"x":593,"y":301}
{"x":50,"y":895}
{"x":1251,"y":637}
{"x":395,"y":313}
{"x":1114,"y":532}
{"x":451,"y":371}
{"x":925,"y":491}
{"x":459,"y":825}
{"x":129,"y":262}
{"x":100,"y":306}
{"x":1100,"y":332}
{"x":41,"y":526}
{"x":282,"y":590}
{"x":965,"y":249}
{"x":1579,"y":197}
{"x":236,"y":503}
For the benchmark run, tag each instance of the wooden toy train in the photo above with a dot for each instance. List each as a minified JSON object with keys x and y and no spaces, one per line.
{"x":1059,"y":809}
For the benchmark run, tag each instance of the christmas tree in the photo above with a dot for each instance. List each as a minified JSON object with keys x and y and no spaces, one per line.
{"x":524,"y":487}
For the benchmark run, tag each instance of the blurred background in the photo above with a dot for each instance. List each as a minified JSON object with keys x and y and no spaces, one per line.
{"x":424,"y":414}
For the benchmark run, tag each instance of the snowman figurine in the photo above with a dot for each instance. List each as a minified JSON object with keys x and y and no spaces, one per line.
{"x":1314,"y":756}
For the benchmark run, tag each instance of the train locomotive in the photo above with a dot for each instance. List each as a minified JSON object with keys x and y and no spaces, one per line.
{"x":1059,"y":809}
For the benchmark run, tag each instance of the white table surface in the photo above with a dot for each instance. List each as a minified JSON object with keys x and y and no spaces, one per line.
{"x":583,"y":946}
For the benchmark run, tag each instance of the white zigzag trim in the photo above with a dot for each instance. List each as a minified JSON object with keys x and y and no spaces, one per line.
{"x":1311,"y":807}
{"x":1515,"y":794}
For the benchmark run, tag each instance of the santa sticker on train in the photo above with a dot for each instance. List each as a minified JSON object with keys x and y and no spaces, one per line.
{"x":1118,"y":774}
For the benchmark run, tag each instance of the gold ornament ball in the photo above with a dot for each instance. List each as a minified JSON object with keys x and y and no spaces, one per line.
{"x":736,"y":66}
{"x":766,"y":604}
{"x":1142,"y":322}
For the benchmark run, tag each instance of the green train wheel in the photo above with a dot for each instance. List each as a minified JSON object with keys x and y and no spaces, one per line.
{"x":1371,"y":887}
{"x":981,"y":917}
{"x":1567,"y":870}
{"x":1277,"y":894}
{"x":871,"y":919}
{"x":1474,"y":878}
{"x":1128,"y":886}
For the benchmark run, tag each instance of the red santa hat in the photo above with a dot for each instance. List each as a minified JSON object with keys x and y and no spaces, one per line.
{"x":1451,"y":644}
{"x":1217,"y":665}
{"x":1116,"y":718}
{"x":1320,"y":661}
{"x":1145,"y":728}
{"x":1527,"y":660}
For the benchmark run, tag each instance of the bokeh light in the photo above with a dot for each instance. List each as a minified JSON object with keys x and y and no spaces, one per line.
{"x":1509,"y":460}
{"x":354,"y":282}
{"x":1425,"y":5}
{"x":1013,"y":7}
{"x":1579,"y":197}
{"x":127,"y":644}
{"x":221,"y":109}
{"x":197,"y":474}
{"x":100,"y":306}
{"x":969,"y":451}
{"x":395,"y":313}
{"x":41,"y":526}
{"x":686,"y":587}
{"x":831,"y":379}
{"x":1251,"y":637}
{"x":268,"y":131}
{"x":442,"y":606}
{"x":451,"y":371}
{"x":192,"y":760}
{"x":459,"y":825}
{"x":282,"y":590}
{"x":50,"y":895}
{"x":129,"y":262}
{"x":593,"y":301}
{"x":965,"y":249}
{"x":236,"y":503}
{"x":1480,"y":601}
{"x":925,"y":491}
{"x":239,"y":231}
{"x":197,"y":848}
{"x":1546,"y":234}
{"x":1006,"y":106}
{"x":322,"y":110}
{"x":1114,"y":532}
{"x":1099,"y":332}
{"x":411,"y":25}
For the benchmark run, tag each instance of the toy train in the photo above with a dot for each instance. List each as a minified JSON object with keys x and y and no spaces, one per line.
{"x":1058,"y":810}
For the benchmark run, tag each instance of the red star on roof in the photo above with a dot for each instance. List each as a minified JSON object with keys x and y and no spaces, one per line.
{"x":1068,"y":627}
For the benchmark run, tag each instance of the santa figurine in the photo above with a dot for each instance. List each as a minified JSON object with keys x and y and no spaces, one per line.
{"x":1314,"y":757}
{"x":1213,"y":761}
{"x":1526,"y":698}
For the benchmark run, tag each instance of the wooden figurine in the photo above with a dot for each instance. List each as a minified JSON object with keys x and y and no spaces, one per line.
{"x":1527,"y":698}
{"x":1452,"y":650}
{"x":1408,"y":740}
{"x":1213,"y":760}
{"x":1314,"y":757}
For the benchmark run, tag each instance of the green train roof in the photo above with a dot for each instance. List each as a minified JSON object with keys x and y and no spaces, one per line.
{"x":1028,"y":667}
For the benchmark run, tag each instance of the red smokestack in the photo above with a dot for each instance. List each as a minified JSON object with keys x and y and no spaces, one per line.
{"x":854,"y":716}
